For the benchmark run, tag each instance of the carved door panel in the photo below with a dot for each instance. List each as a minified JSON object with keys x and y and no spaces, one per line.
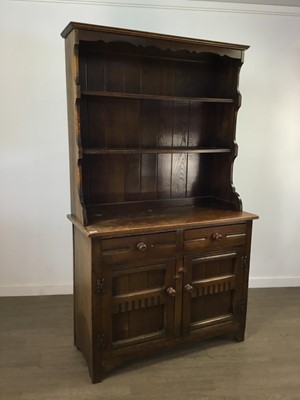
{"x":212,"y":290}
{"x":138,"y":305}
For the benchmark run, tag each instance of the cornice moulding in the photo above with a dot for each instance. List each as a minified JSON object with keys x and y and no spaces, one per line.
{"x":188,"y":5}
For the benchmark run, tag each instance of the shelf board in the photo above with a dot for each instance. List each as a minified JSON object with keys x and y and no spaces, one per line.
{"x":161,"y":150}
{"x":156,"y":97}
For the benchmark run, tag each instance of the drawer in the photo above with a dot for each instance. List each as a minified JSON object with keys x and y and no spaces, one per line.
{"x":131,"y":248}
{"x":216,"y":236}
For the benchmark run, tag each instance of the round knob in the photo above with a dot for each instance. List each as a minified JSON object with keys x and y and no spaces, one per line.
{"x":171,"y":291}
{"x":188,"y":288}
{"x":217,"y":236}
{"x":141,"y":246}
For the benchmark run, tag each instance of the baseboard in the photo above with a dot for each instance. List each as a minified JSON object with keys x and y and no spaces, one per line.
{"x":44,"y":290}
{"x":35,"y":290}
{"x":269,"y":282}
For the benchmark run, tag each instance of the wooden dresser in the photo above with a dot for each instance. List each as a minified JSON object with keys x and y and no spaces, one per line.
{"x":161,"y":244}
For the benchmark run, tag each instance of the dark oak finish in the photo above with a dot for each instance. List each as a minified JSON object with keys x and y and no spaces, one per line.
{"x":161,"y":244}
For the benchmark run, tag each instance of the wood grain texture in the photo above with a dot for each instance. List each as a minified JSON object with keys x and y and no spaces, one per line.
{"x":38,"y":359}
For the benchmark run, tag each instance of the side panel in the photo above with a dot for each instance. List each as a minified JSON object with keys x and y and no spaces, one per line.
{"x":245,"y":282}
{"x":83,"y":296}
{"x":72,"y":71}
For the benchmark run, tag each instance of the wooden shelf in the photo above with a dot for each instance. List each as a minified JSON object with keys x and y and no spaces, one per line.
{"x":137,"y":96}
{"x":161,"y":150}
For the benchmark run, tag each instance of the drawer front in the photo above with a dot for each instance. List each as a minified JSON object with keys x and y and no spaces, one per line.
{"x":132,"y":248}
{"x":216,"y":236}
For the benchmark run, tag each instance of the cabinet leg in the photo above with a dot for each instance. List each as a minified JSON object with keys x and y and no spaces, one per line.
{"x":239,"y":336}
{"x":97,"y":375}
{"x":77,"y":347}
{"x":75,"y":342}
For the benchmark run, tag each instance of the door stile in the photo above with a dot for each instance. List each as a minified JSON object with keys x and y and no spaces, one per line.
{"x":178,"y":283}
{"x":171,"y":301}
{"x":186,"y":296}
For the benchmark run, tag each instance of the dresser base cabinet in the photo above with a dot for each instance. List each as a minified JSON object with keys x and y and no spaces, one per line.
{"x":161,"y":241}
{"x":137,"y":294}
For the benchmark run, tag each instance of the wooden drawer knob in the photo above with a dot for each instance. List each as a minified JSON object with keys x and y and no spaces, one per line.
{"x":188,"y":288}
{"x":217,"y":236}
{"x":141,"y":246}
{"x":171,"y":291}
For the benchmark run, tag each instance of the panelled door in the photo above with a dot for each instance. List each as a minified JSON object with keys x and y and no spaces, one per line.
{"x":211,"y":289}
{"x":142,"y":298}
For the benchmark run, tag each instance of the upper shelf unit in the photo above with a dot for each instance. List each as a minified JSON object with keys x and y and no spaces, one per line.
{"x":152,"y":120}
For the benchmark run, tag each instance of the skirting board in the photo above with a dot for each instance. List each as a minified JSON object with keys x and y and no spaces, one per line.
{"x":43,"y":290}
{"x":35,"y":290}
{"x":279,"y":281}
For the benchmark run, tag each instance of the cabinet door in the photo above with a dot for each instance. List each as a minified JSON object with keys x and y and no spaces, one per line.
{"x":212,"y":290}
{"x":138,"y":304}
